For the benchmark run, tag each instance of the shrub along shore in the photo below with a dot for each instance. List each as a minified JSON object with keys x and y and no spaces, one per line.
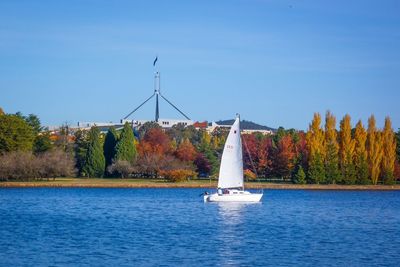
{"x":160,"y":183}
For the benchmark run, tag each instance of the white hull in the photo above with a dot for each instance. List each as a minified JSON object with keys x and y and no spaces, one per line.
{"x":238,"y":196}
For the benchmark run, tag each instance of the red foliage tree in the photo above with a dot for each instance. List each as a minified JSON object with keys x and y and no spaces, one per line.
{"x":284,"y":157}
{"x":264,"y":164}
{"x":186,"y":151}
{"x":256,"y":154}
{"x":158,"y":140}
{"x":301,"y":150}
{"x":203,"y":166}
{"x":154,"y":152}
{"x":250,"y":151}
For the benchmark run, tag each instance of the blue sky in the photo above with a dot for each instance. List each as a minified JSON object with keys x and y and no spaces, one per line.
{"x":275,"y":62}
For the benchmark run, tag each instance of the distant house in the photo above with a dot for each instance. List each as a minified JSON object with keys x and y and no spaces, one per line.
{"x":200,"y":125}
{"x":247,"y":127}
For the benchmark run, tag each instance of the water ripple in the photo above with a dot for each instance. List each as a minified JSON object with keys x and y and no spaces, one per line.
{"x":172,"y":227}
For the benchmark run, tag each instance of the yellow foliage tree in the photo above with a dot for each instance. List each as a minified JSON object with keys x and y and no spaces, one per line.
{"x":346,"y":152}
{"x":331,"y":149}
{"x":205,"y":139}
{"x":316,"y":148}
{"x":374,"y":150}
{"x":360,"y":154}
{"x":1,"y":112}
{"x":389,"y":152}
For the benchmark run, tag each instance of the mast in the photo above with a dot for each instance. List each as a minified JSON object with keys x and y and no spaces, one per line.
{"x":231,"y":169}
{"x":157,"y":93}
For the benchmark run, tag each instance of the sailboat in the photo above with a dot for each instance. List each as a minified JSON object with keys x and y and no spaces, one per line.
{"x":230,"y":181}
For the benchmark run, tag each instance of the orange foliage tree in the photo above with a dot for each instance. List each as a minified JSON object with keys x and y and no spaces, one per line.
{"x":186,"y":151}
{"x":284,"y":158}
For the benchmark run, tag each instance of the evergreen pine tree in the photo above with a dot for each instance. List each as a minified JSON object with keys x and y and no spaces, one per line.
{"x":316,"y":170}
{"x":332,"y":150}
{"x":300,"y":177}
{"x":94,"y":160}
{"x":110,"y":142}
{"x":125,"y":148}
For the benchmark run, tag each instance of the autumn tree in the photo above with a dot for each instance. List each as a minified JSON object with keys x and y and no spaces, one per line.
{"x":284,"y":157}
{"x":301,"y":150}
{"x":347,"y":145}
{"x":250,"y":151}
{"x":360,"y":154}
{"x":94,"y":160}
{"x":374,"y":149}
{"x":125,"y":148}
{"x":1,"y":112}
{"x":210,"y":154}
{"x":179,"y":132}
{"x":316,"y":151}
{"x":203,"y":166}
{"x":389,"y":152}
{"x":332,"y":150}
{"x":146,"y":127}
{"x":64,"y":140}
{"x":186,"y":151}
{"x":398,"y":145}
{"x":154,"y":153}
{"x":264,"y":161}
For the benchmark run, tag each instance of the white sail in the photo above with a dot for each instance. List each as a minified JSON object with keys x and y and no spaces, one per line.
{"x":231,"y":170}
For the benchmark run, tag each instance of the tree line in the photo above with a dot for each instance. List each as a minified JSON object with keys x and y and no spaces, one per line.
{"x":322,"y":154}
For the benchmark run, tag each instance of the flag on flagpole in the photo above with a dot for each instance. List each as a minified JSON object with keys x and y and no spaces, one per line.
{"x":155,"y":60}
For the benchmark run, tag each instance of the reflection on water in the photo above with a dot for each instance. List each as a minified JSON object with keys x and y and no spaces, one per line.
{"x":232,"y":232}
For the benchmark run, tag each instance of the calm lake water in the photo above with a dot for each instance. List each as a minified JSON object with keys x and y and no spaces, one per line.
{"x":173,"y":227}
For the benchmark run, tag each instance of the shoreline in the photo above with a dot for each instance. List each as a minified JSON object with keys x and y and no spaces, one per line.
{"x":142,"y":183}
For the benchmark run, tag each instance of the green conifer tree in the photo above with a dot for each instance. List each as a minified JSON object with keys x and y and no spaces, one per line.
{"x":94,"y":161}
{"x":300,"y":177}
{"x":316,"y":171}
{"x":109,"y":146}
{"x":125,"y":148}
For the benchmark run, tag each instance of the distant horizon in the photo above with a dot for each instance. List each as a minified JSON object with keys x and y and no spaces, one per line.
{"x":274,"y":62}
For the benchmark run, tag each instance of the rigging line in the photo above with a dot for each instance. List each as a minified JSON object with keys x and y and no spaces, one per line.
{"x":139,"y":106}
{"x":251,"y":159}
{"x":174,"y":107}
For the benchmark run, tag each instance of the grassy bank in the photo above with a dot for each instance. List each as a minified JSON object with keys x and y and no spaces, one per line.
{"x":159,"y":183}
